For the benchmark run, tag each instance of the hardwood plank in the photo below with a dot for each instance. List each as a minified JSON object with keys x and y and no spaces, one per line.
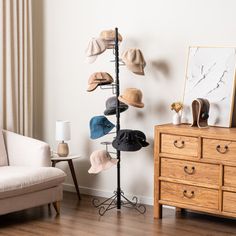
{"x":81,"y":218}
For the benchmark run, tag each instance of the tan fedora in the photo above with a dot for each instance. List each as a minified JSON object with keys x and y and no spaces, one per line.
{"x":94,"y":48}
{"x":101,"y":160}
{"x":132,"y":97}
{"x":109,"y":37}
{"x":134,"y":60}
{"x":98,"y":78}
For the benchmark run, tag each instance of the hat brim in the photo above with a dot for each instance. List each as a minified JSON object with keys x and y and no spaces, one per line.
{"x":95,"y":135}
{"x":137,"y":69}
{"x":126,"y":147}
{"x":112,"y":111}
{"x":106,"y":166}
{"x":91,"y":59}
{"x":122,"y":99}
{"x":92,"y":87}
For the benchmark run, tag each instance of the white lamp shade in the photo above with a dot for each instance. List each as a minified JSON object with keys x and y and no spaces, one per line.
{"x":62,"y":130}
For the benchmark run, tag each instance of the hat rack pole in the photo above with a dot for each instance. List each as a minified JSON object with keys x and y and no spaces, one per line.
{"x":119,"y":199}
{"x":118,"y":203}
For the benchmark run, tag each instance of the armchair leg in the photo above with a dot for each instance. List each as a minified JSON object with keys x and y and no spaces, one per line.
{"x":57,"y":206}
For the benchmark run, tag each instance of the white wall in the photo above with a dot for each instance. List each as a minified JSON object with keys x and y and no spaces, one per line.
{"x":163,"y":30}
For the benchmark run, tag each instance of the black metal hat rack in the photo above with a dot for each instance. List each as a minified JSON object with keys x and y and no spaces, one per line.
{"x":118,"y":200}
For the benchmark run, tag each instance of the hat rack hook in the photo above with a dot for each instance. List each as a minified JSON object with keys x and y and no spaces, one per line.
{"x":118,"y":199}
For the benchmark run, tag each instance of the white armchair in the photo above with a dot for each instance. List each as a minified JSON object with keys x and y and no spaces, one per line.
{"x":27,"y":180}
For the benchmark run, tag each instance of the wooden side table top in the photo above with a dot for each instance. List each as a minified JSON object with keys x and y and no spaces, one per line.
{"x":70,"y":157}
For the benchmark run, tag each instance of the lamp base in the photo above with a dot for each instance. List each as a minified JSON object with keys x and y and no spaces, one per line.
{"x":63,"y":149}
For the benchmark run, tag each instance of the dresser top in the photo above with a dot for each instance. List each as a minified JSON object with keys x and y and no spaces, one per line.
{"x":186,"y":129}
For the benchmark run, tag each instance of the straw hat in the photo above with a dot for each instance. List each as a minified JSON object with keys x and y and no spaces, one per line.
{"x":101,"y":160}
{"x":132,"y":97}
{"x":94,"y":48}
{"x":134,"y":60}
{"x":98,"y":78}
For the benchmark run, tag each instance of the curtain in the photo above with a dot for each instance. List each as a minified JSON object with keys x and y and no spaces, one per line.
{"x":16,"y":66}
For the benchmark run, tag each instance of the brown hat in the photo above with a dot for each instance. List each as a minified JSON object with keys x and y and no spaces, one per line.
{"x":109,"y":37}
{"x":132,"y":97}
{"x":134,"y":60}
{"x":98,"y":78}
{"x":95,"y":47}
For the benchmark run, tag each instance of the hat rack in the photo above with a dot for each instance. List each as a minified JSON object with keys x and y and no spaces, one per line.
{"x":118,"y":199}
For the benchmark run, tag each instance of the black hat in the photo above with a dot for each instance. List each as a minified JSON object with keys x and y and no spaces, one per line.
{"x":141,"y":138}
{"x":111,"y":106}
{"x":127,"y":140}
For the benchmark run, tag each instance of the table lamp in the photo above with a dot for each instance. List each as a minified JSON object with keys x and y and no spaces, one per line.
{"x":62,"y":134}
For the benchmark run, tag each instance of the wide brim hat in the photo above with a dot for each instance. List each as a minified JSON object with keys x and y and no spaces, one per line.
{"x":126,"y":141}
{"x":100,"y":126}
{"x":109,"y":164}
{"x":141,"y":138}
{"x":111,"y":104}
{"x":134,"y":60}
{"x":112,"y":110}
{"x":136,"y":68}
{"x":132,"y":97}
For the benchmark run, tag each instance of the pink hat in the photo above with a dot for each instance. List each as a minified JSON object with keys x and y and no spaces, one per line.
{"x":101,"y":160}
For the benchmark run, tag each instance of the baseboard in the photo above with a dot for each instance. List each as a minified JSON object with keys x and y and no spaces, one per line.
{"x":102,"y":193}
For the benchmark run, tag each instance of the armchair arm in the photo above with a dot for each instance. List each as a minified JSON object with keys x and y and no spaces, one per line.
{"x":25,"y":151}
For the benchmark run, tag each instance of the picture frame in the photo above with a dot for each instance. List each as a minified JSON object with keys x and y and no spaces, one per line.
{"x":211,"y":74}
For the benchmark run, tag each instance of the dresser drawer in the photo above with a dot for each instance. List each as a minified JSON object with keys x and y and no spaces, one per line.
{"x":192,"y":171}
{"x":229,"y":176}
{"x":190,"y":195}
{"x":229,"y":200}
{"x":182,"y":145}
{"x":219,"y":150}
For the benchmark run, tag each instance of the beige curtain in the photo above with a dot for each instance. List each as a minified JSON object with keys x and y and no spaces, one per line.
{"x":16,"y":81}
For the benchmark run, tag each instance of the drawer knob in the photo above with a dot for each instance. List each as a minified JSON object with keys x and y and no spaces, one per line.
{"x":222,"y":150}
{"x":189,"y":172}
{"x":179,"y":145}
{"x":187,"y":195}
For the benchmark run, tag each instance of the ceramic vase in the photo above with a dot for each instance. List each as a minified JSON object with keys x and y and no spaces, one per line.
{"x":176,"y":119}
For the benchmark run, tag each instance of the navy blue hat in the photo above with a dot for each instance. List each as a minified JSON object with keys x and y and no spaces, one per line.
{"x":127,"y":140}
{"x":100,"y":126}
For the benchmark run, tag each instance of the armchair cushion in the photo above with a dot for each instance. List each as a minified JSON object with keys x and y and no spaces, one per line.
{"x":3,"y":154}
{"x":16,"y":180}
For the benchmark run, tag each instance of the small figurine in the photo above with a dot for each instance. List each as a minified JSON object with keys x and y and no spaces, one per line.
{"x":200,"y":112}
{"x":177,"y":107}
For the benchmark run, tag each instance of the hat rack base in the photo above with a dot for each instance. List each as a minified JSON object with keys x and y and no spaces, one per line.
{"x":111,"y":203}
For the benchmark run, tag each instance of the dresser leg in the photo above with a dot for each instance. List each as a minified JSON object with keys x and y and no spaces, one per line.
{"x":179,"y":210}
{"x":158,"y":211}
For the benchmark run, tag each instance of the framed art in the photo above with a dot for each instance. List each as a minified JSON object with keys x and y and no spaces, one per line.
{"x":210,"y":74}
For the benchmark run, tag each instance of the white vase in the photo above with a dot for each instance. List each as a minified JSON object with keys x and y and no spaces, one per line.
{"x":176,"y":120}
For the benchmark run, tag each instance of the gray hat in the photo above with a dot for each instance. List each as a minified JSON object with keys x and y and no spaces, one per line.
{"x":111,"y":106}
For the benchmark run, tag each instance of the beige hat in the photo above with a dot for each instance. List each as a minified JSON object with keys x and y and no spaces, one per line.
{"x":134,"y":60}
{"x":101,"y":160}
{"x":132,"y":97}
{"x":109,"y":37}
{"x":95,"y":47}
{"x":98,"y":78}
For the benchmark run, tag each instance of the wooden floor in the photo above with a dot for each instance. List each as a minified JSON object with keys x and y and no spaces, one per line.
{"x":80,"y":218}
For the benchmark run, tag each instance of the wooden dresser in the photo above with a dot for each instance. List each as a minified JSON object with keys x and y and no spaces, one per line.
{"x":195,"y":169}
